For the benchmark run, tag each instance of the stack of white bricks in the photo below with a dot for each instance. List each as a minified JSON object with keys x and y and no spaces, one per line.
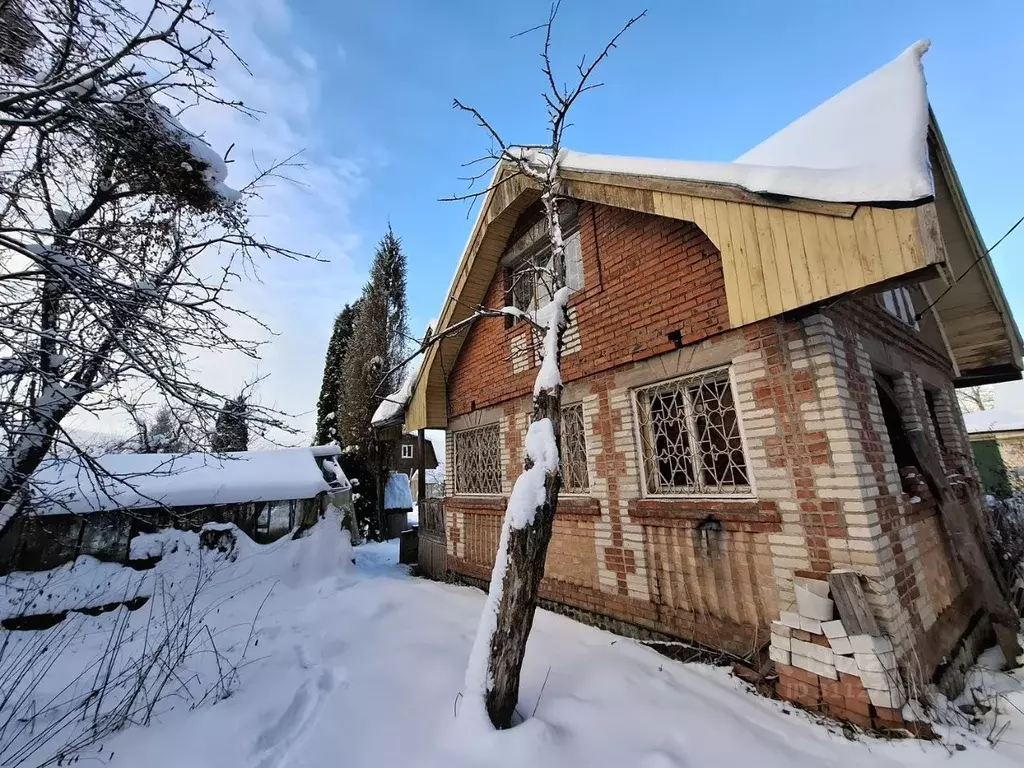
{"x":827,"y":650}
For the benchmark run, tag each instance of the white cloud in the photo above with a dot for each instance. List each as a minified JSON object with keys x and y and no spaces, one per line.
{"x":297,"y":300}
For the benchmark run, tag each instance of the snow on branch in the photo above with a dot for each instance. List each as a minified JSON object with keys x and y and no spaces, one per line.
{"x":120,"y":241}
{"x":214,"y":168}
{"x":492,"y":675}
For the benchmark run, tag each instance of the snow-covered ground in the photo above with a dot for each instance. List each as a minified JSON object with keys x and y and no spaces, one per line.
{"x":363,"y":666}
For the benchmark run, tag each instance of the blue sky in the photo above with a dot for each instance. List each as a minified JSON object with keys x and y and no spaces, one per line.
{"x":693,"y":80}
{"x":366,"y":89}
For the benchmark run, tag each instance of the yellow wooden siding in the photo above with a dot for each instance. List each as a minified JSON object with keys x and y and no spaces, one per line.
{"x":777,"y":259}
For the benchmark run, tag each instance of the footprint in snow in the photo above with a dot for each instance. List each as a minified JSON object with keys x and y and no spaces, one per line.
{"x":383,"y":610}
{"x":660,"y":759}
{"x":334,"y":648}
{"x":277,"y":739}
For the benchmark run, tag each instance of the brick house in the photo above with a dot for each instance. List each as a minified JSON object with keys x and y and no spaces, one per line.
{"x":744,"y":363}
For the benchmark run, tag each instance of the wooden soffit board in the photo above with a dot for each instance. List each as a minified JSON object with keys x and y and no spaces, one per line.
{"x":982,"y":334}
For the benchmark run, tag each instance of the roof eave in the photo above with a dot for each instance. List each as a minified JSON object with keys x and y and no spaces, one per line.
{"x":984,"y":266}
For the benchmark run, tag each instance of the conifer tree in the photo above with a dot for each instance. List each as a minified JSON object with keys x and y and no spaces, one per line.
{"x":231,"y":430}
{"x":166,"y":433}
{"x":332,"y":387}
{"x":372,"y":367}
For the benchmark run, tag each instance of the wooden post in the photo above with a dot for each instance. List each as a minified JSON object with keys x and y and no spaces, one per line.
{"x":382,"y":519}
{"x":969,"y":548}
{"x":852,"y":604}
{"x":421,"y":467}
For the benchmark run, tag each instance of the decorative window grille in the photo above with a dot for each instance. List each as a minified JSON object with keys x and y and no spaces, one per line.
{"x":406,"y":451}
{"x":532,"y":288}
{"x":899,"y":303}
{"x":478,"y":460}
{"x":575,"y":478}
{"x":690,"y":437}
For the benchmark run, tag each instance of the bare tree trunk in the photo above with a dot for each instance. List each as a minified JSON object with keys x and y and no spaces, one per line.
{"x":527,"y":551}
{"x":519,"y":567}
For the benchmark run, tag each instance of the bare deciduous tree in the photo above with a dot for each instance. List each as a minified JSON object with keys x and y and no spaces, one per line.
{"x":974,"y":399}
{"x":119,"y":241}
{"x":492,"y":676}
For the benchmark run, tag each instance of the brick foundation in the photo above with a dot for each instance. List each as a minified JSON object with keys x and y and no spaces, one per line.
{"x":844,"y":699}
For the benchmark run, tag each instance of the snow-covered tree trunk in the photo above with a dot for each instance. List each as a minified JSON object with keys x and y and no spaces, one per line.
{"x":500,"y":644}
{"x":492,"y":676}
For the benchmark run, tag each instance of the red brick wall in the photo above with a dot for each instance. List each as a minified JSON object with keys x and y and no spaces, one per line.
{"x":644,"y":277}
{"x":571,"y":564}
{"x":925,"y":578}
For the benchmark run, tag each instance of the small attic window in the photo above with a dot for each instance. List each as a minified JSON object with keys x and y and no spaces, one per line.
{"x":528,"y":286}
{"x":899,"y":303}
{"x":532,"y":288}
{"x":406,"y":451}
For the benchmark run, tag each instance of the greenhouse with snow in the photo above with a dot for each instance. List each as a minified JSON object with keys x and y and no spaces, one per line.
{"x":96,"y":506}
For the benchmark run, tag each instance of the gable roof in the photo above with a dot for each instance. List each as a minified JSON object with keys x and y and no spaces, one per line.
{"x":975,"y":314}
{"x":852,"y":176}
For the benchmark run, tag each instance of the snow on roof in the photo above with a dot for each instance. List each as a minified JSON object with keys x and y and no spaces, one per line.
{"x":398,"y":492}
{"x":993,"y":420}
{"x":144,"y":480}
{"x":866,"y":144}
{"x":393,"y":405}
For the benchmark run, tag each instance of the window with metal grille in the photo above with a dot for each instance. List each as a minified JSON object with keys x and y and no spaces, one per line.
{"x":690,"y":437}
{"x":575,"y":478}
{"x":478,"y":460}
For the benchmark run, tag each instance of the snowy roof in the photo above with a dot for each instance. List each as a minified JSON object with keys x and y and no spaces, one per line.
{"x":994,"y":420}
{"x":144,"y":480}
{"x":394,"y":404}
{"x":398,"y":492}
{"x":866,"y":144}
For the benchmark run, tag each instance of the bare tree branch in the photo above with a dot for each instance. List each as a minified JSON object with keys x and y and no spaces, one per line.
{"x":120,"y":246}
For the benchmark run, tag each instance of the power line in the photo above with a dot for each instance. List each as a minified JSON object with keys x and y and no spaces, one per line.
{"x":974,"y":263}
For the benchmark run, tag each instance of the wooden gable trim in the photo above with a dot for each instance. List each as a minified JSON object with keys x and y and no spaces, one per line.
{"x":709,"y":191}
{"x":498,"y":213}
